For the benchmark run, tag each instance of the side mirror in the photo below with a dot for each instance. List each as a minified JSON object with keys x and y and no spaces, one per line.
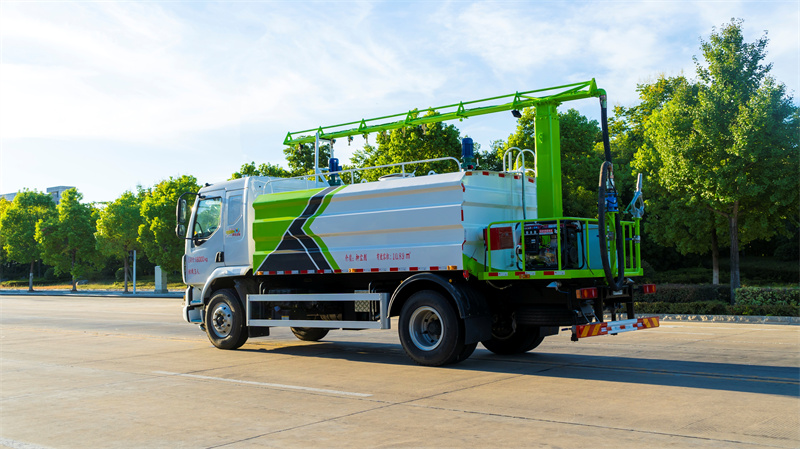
{"x":182,"y":216}
{"x":180,"y":231}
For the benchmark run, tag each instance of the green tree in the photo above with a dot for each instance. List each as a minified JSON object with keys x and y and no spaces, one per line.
{"x":431,"y":141}
{"x":580,"y":158}
{"x":729,"y":144}
{"x":18,"y":227}
{"x":157,"y":232}
{"x":301,"y":158}
{"x":265,"y":169}
{"x":118,"y":229}
{"x":4,"y":204}
{"x":670,"y":221}
{"x":491,"y":159}
{"x":67,"y":237}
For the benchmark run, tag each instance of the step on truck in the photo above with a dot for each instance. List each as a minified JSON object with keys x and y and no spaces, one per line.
{"x":461,"y":257}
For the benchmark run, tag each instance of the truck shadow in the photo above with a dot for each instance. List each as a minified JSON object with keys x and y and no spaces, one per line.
{"x":734,"y":377}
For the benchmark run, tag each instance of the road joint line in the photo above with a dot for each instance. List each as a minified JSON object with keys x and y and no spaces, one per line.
{"x":267,"y":384}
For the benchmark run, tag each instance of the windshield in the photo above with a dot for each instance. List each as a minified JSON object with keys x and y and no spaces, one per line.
{"x":209,"y":212}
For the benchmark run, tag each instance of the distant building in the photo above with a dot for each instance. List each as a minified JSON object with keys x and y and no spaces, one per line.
{"x":55,"y":193}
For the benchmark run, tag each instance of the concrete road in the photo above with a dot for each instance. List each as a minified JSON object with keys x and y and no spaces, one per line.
{"x":81,"y":372}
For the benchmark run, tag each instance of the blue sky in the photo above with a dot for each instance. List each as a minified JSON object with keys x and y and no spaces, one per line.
{"x":106,"y":96}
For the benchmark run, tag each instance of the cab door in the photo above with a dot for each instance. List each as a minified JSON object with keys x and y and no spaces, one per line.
{"x":235,"y":220}
{"x":205,"y":249}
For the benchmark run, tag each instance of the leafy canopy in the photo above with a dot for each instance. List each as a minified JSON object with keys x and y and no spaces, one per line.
{"x":67,"y":237}
{"x":431,"y":141}
{"x":266,"y":169}
{"x":118,"y":226}
{"x":725,"y":146}
{"x":18,"y":225}
{"x":580,"y":160}
{"x":157,"y":232}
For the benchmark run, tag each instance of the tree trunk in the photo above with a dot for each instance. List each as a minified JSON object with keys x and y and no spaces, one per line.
{"x":72,"y":270}
{"x":714,"y":257}
{"x":734,"y":230}
{"x":30,"y":277}
{"x":125,"y":269}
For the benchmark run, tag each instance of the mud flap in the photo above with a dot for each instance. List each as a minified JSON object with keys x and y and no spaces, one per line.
{"x":477,"y":329}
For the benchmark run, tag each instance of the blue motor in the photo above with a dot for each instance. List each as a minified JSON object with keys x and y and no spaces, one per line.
{"x":611,"y":202}
{"x":333,"y":168}
{"x":468,"y":153}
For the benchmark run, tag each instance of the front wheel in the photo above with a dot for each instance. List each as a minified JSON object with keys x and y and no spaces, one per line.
{"x":225,"y":321}
{"x":431,"y":331}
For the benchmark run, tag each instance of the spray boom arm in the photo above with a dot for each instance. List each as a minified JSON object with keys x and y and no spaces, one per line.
{"x":461,"y":110}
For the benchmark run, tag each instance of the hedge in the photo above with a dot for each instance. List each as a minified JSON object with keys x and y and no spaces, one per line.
{"x":757,"y":296}
{"x":753,"y":271}
{"x":716,"y":308}
{"x":24,"y":283}
{"x":682,"y":293}
{"x":754,"y":296}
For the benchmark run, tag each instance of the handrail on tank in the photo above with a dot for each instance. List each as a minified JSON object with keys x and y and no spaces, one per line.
{"x":508,"y":166}
{"x":522,"y":170}
{"x":402,"y":166}
{"x":310,"y":178}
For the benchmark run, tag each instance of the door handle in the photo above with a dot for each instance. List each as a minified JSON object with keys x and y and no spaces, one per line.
{"x":220,"y":257}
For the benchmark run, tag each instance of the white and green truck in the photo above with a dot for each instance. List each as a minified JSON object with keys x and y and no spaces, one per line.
{"x":462,"y":257}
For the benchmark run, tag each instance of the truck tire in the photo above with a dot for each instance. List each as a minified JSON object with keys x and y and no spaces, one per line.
{"x":309,"y":333}
{"x":466,"y":352}
{"x":521,"y":339}
{"x":225,"y":320}
{"x":431,"y":331}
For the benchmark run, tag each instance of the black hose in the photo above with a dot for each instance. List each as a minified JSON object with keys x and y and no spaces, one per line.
{"x":602,"y":194}
{"x":604,"y":121}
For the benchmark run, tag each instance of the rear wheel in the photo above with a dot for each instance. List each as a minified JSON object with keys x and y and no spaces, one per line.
{"x":224,"y":320}
{"x":466,"y":352}
{"x":431,"y":331}
{"x":309,"y":333}
{"x":510,"y":338}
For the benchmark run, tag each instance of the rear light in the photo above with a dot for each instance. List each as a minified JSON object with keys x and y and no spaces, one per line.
{"x":586,"y":293}
{"x":648,"y":288}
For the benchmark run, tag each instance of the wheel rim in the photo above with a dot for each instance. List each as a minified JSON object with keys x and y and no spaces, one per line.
{"x":222,"y":320}
{"x":425,"y":328}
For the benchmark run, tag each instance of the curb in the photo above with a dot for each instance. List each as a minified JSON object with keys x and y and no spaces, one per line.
{"x":742,"y":319}
{"x":94,"y":293}
{"x":739,"y":319}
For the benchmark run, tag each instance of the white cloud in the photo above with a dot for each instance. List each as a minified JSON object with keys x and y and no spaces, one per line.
{"x":185,"y":82}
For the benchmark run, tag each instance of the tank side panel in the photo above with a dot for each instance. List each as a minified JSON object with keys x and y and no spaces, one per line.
{"x":273,"y":215}
{"x":396,"y":225}
{"x":488,"y":198}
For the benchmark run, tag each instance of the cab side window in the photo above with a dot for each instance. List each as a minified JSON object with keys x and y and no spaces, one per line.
{"x":209,"y":214}
{"x":234,"y":209}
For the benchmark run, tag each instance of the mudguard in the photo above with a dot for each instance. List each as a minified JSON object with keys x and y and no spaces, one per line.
{"x":471,"y":305}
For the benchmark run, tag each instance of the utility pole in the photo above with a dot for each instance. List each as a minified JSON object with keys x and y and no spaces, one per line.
{"x":134,"y":272}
